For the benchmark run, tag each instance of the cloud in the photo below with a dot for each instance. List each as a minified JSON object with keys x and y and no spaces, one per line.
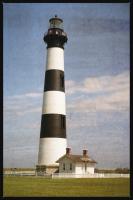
{"x":99,"y":84}
{"x":111,"y":102}
{"x":100,"y":25}
{"x":35,"y":125}
{"x":105,"y":93}
{"x":26,"y":95}
{"x":32,"y":110}
{"x":18,"y":105}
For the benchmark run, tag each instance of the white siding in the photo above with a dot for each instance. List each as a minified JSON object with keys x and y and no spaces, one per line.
{"x":90,"y":168}
{"x":77,"y":168}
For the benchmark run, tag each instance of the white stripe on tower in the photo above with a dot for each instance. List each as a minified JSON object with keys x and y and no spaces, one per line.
{"x":53,"y":125}
{"x":55,"y":58}
{"x":58,"y":107}
{"x":51,"y":149}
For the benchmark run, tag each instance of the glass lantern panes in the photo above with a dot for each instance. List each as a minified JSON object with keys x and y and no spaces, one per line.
{"x":56,"y":23}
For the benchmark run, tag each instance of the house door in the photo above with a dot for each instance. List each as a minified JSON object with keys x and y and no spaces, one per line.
{"x":84,"y":167}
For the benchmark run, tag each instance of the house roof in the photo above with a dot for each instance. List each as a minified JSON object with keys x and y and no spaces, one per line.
{"x":77,"y":158}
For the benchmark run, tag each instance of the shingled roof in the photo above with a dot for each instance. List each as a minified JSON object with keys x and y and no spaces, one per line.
{"x":77,"y":158}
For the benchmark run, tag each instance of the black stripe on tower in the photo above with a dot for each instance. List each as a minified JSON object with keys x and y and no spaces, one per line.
{"x":54,"y":80}
{"x":53,"y":125}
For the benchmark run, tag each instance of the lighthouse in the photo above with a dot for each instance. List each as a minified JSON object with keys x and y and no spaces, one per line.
{"x":53,"y":140}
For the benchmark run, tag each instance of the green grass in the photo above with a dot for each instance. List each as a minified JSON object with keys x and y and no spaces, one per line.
{"x":35,"y":186}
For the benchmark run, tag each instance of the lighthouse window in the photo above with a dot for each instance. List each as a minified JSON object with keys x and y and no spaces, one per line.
{"x":63,"y":125}
{"x":50,"y":31}
{"x":62,"y":80}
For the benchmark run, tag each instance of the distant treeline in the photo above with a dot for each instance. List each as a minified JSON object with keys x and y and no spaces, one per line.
{"x":18,"y":169}
{"x":117,"y":170}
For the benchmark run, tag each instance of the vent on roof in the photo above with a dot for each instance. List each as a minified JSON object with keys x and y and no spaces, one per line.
{"x":68,"y":151}
{"x":85,"y":152}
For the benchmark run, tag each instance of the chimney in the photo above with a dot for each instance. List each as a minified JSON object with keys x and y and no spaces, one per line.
{"x":68,"y":150}
{"x":85,"y":152}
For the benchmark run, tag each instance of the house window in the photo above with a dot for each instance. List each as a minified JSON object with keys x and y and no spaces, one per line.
{"x":85,"y":166}
{"x":63,"y":166}
{"x":70,"y":166}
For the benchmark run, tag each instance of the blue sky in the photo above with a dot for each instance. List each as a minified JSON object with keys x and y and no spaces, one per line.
{"x":96,"y":79}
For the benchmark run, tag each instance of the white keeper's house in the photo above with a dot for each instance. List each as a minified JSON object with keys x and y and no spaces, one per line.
{"x":78,"y":164}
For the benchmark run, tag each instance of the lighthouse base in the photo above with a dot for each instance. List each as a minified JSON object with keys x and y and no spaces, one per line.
{"x":46,"y":169}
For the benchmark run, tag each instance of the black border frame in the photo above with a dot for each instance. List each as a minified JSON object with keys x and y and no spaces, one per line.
{"x":1,"y":88}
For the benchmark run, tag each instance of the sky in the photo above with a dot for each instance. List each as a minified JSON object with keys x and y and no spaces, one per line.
{"x":96,"y":80}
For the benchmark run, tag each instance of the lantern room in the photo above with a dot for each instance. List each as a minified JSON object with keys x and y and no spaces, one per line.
{"x":55,"y":36}
{"x":56,"y":22}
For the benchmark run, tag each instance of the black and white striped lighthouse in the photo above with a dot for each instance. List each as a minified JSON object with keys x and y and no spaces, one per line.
{"x":53,"y":123}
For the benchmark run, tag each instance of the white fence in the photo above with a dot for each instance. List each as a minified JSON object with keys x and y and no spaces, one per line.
{"x":96,"y":175}
{"x":67,"y":175}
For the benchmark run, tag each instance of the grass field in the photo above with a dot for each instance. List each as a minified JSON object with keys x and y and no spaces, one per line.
{"x":35,"y":186}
